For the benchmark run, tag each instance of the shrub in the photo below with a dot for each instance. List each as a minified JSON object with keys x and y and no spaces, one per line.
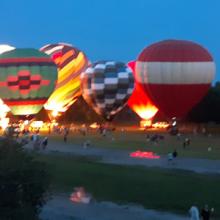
{"x":23,"y":183}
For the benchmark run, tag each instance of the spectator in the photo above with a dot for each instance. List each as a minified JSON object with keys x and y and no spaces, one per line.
{"x":44,"y":143}
{"x":86,"y":144}
{"x":204,"y":131}
{"x":66,"y":132}
{"x":154,"y":139}
{"x":206,"y":212}
{"x":175,"y":154}
{"x":194,"y":213}
{"x":186,"y":142}
{"x":104,"y":132}
{"x":169,"y":157}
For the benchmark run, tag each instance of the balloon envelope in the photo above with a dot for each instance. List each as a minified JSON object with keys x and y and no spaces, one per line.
{"x":3,"y":107}
{"x":176,"y":73}
{"x":106,"y":87}
{"x":4,"y":48}
{"x":27,"y":78}
{"x":70,"y":62}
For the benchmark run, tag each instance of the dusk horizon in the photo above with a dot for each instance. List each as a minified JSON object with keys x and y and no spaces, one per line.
{"x":118,"y":30}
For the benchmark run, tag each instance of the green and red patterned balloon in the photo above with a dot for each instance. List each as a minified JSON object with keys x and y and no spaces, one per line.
{"x":27,"y":78}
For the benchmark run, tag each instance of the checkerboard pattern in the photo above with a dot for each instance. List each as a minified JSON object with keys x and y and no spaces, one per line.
{"x":106,"y":86}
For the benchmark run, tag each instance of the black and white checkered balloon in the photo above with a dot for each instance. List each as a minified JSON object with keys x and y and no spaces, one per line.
{"x":106,"y":87}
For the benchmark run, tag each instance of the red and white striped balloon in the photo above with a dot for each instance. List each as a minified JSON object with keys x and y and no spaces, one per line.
{"x":176,"y":73}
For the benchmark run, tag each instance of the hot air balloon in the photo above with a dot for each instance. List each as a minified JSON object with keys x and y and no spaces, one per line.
{"x":27,"y":78}
{"x":4,"y":109}
{"x":176,"y":74}
{"x":139,"y":101}
{"x":4,"y":48}
{"x":106,"y":87}
{"x":70,"y":62}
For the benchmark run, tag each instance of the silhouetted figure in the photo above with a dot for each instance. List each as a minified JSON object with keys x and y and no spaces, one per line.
{"x":186,"y":142}
{"x":175,"y":154}
{"x":206,"y":212}
{"x":66,"y":132}
{"x":44,"y":143}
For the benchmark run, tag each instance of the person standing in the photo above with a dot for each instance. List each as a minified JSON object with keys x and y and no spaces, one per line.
{"x":194,"y":213}
{"x":175,"y":154}
{"x":44,"y":143}
{"x":184,"y":144}
{"x":206,"y":212}
{"x":66,"y":132}
{"x":170,"y":157}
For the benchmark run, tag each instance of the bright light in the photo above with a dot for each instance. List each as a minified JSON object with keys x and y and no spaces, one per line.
{"x":37,"y":124}
{"x":26,"y":122}
{"x":54,"y":114}
{"x":145,"y":111}
{"x":4,"y":48}
{"x":145,"y":123}
{"x":4,"y":123}
{"x":140,"y":103}
{"x":55,"y":106}
{"x":144,"y":154}
{"x":160,"y":124}
{"x":54,"y":123}
{"x":3,"y":109}
{"x":174,"y":123}
{"x":54,"y":109}
{"x":80,"y":196}
{"x":94,"y":125}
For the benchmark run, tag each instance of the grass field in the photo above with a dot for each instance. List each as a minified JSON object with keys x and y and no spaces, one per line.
{"x":169,"y":190}
{"x":136,"y":140}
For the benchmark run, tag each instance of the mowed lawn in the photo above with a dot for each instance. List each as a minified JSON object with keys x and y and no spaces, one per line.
{"x":169,"y":190}
{"x":137,"y":140}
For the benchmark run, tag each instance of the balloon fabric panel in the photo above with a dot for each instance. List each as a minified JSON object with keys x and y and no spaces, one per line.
{"x":27,"y":79}
{"x":176,"y":74}
{"x":70,"y":63}
{"x":106,"y":86}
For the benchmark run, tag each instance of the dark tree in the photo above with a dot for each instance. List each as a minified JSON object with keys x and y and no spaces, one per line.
{"x":208,"y":109}
{"x":80,"y":112}
{"x":23,"y":183}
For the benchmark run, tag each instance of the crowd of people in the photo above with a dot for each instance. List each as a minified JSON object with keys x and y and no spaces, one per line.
{"x":40,"y":143}
{"x":205,"y":212}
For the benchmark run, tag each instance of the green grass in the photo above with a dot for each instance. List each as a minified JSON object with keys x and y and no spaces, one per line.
{"x":169,"y":190}
{"x":136,"y":140}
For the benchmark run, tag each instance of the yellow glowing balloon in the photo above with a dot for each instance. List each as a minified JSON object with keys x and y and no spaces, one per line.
{"x":70,"y":63}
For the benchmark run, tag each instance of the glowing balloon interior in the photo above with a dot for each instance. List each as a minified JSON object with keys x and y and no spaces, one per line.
{"x":4,"y":109}
{"x":70,"y":62}
{"x":139,"y":101}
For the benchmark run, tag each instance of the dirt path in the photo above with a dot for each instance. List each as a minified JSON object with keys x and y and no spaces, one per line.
{"x":60,"y":207}
{"x":115,"y":156}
